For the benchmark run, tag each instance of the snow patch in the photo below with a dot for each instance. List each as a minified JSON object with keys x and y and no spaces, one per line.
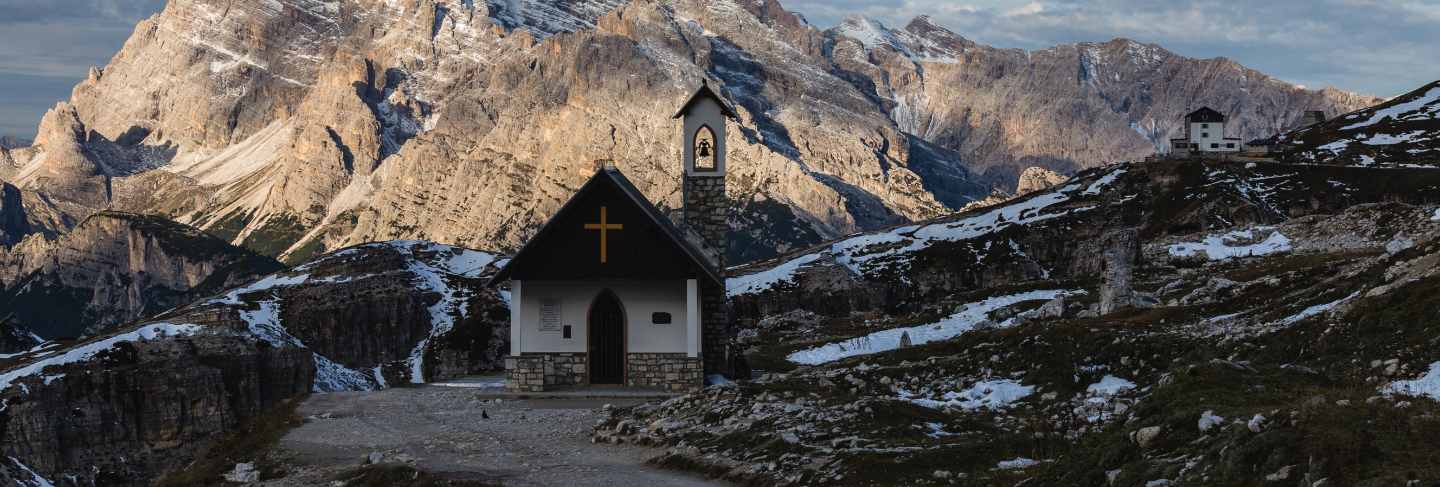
{"x":1104,"y":181}
{"x":1424,"y":106}
{"x":35,"y":479}
{"x":764,"y":280}
{"x":1110,"y":385}
{"x":986,"y":394}
{"x":1427,"y":385}
{"x":882,"y":341}
{"x":1016,"y":464}
{"x":1221,"y":247}
{"x":1315,"y":310}
{"x":1208,"y":420}
{"x":89,"y":350}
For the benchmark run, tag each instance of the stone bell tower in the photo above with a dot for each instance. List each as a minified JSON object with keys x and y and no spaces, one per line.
{"x":702,"y":154}
{"x":706,"y":210}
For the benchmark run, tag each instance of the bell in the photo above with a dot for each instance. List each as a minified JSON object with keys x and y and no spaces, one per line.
{"x":704,"y":148}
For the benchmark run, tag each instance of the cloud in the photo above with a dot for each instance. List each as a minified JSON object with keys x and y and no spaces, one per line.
{"x":1369,"y":46}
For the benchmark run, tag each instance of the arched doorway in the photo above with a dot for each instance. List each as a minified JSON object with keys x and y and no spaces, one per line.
{"x":607,"y":339}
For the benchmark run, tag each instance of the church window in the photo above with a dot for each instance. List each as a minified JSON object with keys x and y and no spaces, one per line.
{"x":705,"y":149}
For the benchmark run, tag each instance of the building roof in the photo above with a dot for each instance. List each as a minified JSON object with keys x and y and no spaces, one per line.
{"x":705,"y":92}
{"x":1205,"y":115}
{"x":661,"y":250}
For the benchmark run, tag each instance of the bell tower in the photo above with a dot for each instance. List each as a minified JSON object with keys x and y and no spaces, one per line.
{"x":702,"y":154}
{"x":706,"y":211}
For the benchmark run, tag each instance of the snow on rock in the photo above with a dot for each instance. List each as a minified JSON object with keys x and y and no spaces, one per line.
{"x":264,"y":323}
{"x":1316,"y":309}
{"x":865,"y":254}
{"x":264,"y":284}
{"x":1424,"y":106}
{"x":87,"y":351}
{"x":1016,"y":464}
{"x":761,"y":281}
{"x":985,"y":394}
{"x":35,"y":479}
{"x":1256,"y":424}
{"x":1208,"y":420}
{"x":1221,"y":247}
{"x":1427,"y":385}
{"x":433,"y":277}
{"x":1110,"y":385}
{"x":882,"y":341}
{"x":1104,"y":181}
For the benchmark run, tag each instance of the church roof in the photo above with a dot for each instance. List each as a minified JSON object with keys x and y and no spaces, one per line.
{"x":655,"y":249}
{"x":705,"y":92}
{"x":1205,"y":115}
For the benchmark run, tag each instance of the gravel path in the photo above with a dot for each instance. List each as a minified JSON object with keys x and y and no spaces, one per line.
{"x":537,"y":442}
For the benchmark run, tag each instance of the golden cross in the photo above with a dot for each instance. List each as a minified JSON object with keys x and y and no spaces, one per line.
{"x":604,"y":226}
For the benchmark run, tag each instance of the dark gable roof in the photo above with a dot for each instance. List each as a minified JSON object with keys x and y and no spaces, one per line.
{"x":689,"y":261}
{"x":705,"y":92}
{"x":1205,"y":115}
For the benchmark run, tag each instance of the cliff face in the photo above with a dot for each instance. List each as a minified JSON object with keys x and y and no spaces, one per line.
{"x":301,"y":125}
{"x":126,"y":406}
{"x":113,"y":268}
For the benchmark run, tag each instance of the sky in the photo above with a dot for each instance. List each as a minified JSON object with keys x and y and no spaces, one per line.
{"x":1378,"y":47}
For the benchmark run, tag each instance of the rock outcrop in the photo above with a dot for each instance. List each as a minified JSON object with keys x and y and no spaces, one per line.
{"x":124,"y":407}
{"x":1034,"y":179}
{"x":297,"y":126}
{"x":113,"y":268}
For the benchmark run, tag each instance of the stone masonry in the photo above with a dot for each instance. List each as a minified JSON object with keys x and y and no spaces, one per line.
{"x":707,"y":214}
{"x":673,"y":372}
{"x":536,"y":372}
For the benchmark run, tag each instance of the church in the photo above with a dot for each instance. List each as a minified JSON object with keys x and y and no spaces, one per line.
{"x":610,"y":291}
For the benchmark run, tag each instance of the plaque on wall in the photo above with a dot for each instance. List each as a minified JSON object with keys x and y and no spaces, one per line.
{"x":550,"y":314}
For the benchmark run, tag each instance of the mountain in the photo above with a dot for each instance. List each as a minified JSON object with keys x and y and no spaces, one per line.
{"x":127,"y":406}
{"x":299,"y":126}
{"x":116,"y":267}
{"x":1179,"y":322}
{"x":1401,"y":132}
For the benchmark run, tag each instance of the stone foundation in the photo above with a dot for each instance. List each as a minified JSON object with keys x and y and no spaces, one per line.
{"x":674,"y":372}
{"x":535,"y":372}
{"x":539,"y":372}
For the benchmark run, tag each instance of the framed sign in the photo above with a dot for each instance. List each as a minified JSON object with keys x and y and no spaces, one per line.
{"x":550,"y":313}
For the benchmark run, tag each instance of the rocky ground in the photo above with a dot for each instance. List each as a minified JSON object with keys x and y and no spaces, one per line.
{"x":1265,"y":340}
{"x":445,"y":432}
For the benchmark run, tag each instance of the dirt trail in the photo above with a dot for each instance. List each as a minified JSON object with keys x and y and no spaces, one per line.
{"x":537,"y":442}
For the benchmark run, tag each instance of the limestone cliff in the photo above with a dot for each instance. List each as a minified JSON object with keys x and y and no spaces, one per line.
{"x":296,"y":126}
{"x":116,"y":267}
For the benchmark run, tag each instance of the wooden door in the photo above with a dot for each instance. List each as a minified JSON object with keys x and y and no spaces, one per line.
{"x":607,"y":340}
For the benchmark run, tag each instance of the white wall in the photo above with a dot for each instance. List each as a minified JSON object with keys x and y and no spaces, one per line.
{"x":638,"y":298}
{"x":1204,"y":134}
{"x":703,"y":112}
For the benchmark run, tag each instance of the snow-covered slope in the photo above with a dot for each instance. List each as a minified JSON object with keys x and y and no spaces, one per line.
{"x":1401,"y":132}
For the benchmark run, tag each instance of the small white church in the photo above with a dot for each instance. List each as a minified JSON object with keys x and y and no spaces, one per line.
{"x":1205,"y":132}
{"x":610,"y":291}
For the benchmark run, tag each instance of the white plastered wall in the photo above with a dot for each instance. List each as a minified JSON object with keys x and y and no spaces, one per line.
{"x":640,"y":300}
